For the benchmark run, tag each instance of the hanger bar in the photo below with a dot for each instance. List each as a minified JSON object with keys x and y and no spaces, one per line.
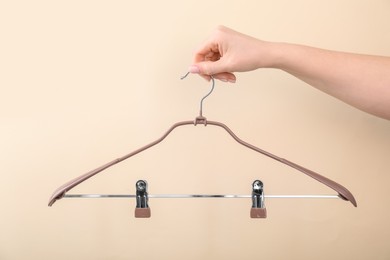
{"x":190,"y":196}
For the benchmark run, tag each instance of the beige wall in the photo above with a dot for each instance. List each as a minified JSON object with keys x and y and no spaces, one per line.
{"x":84,"y":82}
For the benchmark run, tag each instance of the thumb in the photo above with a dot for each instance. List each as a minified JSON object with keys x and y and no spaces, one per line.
{"x":207,"y":68}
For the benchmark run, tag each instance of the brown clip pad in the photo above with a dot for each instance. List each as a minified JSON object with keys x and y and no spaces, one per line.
{"x":142,"y":213}
{"x":258,"y":213}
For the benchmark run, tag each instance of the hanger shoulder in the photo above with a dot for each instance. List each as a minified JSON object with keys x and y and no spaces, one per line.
{"x":60,"y":192}
{"x":343,"y":192}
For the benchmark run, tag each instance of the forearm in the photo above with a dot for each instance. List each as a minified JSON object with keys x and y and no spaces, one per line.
{"x":360,"y":80}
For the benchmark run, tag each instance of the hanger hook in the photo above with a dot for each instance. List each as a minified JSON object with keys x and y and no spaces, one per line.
{"x":208,"y":94}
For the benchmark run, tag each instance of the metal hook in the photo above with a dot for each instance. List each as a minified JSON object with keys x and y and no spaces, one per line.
{"x":208,"y":94}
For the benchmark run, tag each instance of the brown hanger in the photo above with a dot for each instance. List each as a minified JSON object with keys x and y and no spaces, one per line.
{"x":343,"y":192}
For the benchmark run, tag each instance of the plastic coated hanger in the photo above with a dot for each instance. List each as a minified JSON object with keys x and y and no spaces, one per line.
{"x":343,"y":192}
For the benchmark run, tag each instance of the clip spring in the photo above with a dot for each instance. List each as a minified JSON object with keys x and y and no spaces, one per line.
{"x":142,"y":209}
{"x":258,"y":210}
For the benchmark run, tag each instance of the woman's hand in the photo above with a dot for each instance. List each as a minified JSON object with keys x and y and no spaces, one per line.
{"x":227,"y":51}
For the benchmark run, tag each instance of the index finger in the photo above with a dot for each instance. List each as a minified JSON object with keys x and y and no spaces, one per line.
{"x":209,"y":51}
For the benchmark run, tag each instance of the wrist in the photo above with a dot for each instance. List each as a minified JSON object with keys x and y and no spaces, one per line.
{"x":276,"y":56}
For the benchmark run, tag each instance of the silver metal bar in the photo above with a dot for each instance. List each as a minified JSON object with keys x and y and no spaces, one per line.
{"x":187,"y":196}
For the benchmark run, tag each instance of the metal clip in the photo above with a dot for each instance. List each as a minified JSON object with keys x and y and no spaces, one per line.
{"x":258,"y":209}
{"x":142,"y":209}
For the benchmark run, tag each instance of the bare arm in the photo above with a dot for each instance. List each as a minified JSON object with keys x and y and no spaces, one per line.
{"x":362,"y":81}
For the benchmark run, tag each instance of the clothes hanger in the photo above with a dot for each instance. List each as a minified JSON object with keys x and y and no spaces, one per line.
{"x":343,"y":192}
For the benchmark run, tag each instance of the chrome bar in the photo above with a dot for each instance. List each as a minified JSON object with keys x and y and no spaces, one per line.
{"x":187,"y":196}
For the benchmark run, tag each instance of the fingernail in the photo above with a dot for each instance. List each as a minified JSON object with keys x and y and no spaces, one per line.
{"x":232,"y":80}
{"x":194,"y":69}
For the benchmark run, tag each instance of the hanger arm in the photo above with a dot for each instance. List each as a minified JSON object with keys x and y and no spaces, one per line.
{"x":343,"y":192}
{"x":60,"y":192}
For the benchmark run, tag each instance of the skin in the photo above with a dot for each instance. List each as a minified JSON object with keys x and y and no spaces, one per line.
{"x":362,"y":81}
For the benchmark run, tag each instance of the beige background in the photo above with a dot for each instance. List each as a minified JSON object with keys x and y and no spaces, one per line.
{"x":84,"y":82}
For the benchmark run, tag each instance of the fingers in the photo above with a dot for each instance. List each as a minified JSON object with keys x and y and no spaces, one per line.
{"x":208,"y":67}
{"x":206,"y":73}
{"x":209,"y":52}
{"x":225,"y":77}
{"x":209,"y":59}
